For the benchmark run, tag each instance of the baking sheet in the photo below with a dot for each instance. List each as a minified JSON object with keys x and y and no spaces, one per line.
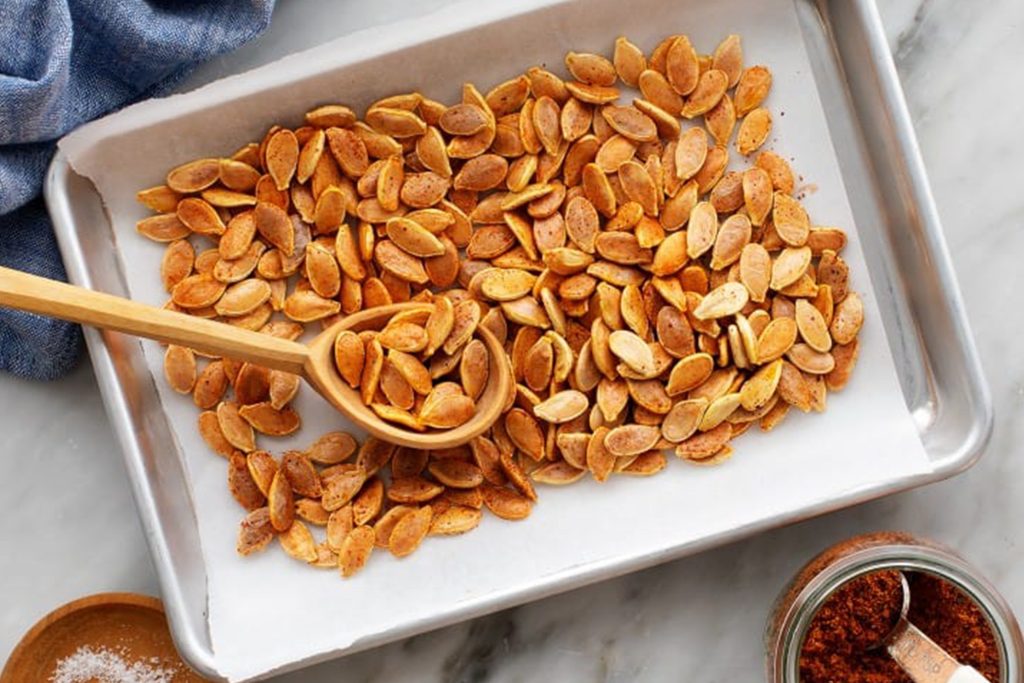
{"x":268,"y":611}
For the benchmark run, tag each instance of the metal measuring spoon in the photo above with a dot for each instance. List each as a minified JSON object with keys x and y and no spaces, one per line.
{"x":919,"y":656}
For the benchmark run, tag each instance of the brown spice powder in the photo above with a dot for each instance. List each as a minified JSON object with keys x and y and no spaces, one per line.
{"x":851,"y":619}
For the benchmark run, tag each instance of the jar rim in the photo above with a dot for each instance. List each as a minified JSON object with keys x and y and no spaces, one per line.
{"x":792,"y":625}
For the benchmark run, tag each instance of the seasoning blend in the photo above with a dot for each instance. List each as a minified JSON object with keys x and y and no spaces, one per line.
{"x":827,"y":625}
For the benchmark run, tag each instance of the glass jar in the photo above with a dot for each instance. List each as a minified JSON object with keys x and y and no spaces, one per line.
{"x":803,"y":597}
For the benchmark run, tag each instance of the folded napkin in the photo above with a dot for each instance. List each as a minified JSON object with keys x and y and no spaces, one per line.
{"x":65,"y":62}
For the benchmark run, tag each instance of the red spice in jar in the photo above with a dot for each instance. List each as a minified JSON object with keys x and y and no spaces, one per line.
{"x":863,"y":611}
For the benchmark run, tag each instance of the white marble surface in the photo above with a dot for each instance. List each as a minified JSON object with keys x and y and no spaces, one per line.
{"x":68,"y":525}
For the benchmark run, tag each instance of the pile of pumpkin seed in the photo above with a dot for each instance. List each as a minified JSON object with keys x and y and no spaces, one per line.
{"x":650,"y":299}
{"x":388,"y":365}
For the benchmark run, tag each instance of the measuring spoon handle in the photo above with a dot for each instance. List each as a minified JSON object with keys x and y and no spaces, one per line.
{"x":967,"y":674}
{"x":924,"y":661}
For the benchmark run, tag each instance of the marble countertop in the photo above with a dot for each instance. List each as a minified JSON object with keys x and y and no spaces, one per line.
{"x":69,"y":528}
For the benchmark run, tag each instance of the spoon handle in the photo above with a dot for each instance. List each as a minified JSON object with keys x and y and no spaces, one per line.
{"x":77,"y":304}
{"x":967,"y":674}
{"x":924,"y":661}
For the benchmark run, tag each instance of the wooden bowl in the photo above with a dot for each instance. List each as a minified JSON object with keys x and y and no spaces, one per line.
{"x":131,"y":625}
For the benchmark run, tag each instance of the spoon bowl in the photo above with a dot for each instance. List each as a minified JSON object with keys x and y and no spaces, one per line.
{"x":314,"y":362}
{"x":904,"y":610}
{"x":320,"y":372}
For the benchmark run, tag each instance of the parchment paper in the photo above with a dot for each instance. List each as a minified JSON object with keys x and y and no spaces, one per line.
{"x":267,"y":611}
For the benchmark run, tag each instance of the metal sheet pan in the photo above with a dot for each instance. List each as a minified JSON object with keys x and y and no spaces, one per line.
{"x":909,"y":264}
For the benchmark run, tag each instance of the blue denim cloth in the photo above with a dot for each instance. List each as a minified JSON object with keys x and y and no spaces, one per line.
{"x":65,"y":62}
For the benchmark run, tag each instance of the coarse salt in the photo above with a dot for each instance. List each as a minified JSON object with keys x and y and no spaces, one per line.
{"x":105,"y":666}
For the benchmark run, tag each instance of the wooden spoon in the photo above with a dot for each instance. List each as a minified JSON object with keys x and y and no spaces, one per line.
{"x":313,"y":362}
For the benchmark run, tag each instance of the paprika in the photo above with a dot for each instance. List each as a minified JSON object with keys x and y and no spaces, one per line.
{"x":843,"y":642}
